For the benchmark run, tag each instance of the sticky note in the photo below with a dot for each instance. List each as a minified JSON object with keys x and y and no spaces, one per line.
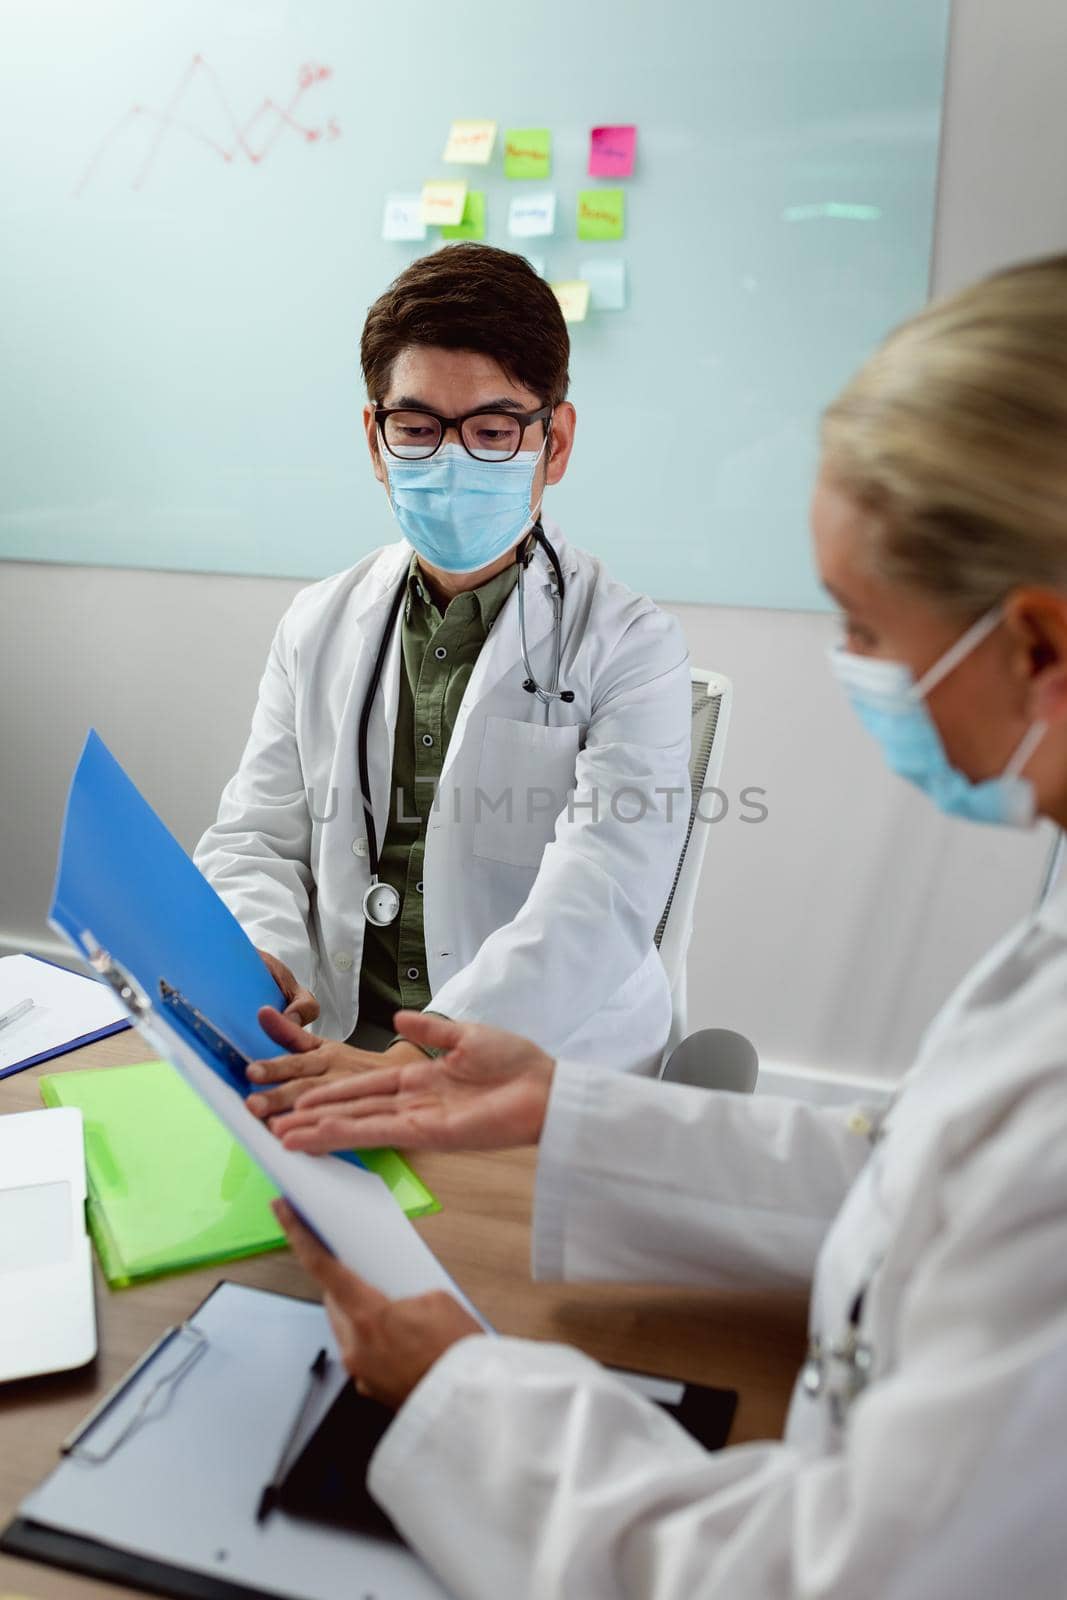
{"x":612,"y":151}
{"x":573,"y":296}
{"x":527,"y":153}
{"x":601,"y":213}
{"x":470,"y":142}
{"x":532,"y":215}
{"x":607,"y":284}
{"x":443,"y":200}
{"x":402,"y":218}
{"x":472,"y":224}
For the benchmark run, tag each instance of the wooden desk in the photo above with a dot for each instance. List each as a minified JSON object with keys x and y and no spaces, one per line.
{"x":752,"y":1343}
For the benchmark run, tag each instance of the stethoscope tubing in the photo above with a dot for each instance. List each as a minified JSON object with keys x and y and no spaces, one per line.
{"x":523,"y":556}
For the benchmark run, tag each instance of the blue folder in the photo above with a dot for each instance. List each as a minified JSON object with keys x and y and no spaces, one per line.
{"x":124,"y":885}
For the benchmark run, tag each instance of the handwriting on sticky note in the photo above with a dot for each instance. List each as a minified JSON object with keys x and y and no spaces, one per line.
{"x":472,"y":223}
{"x":471,"y":142}
{"x":402,"y":217}
{"x":607,"y":284}
{"x":530,"y":216}
{"x":612,"y":151}
{"x":527,"y":153}
{"x":443,"y":200}
{"x":573,"y":297}
{"x":601,"y":213}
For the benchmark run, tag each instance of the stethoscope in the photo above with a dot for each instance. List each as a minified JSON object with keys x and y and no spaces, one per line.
{"x":381,"y":903}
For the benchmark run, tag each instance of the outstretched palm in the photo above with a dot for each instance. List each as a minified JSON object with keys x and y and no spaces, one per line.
{"x":487,"y":1091}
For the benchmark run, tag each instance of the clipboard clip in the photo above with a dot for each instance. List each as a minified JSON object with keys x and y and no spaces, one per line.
{"x":193,"y":1343}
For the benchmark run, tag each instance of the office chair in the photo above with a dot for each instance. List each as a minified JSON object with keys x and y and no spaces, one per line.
{"x":712,"y":696}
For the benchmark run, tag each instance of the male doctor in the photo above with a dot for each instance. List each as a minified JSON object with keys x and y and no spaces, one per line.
{"x":466,"y":785}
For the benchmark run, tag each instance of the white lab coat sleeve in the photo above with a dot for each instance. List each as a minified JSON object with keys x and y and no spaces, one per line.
{"x":522,"y":1469}
{"x":604,"y":879}
{"x":642,"y":1181}
{"x":256,"y":855}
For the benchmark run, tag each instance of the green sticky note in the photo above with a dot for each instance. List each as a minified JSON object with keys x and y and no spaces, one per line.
{"x":169,"y":1188}
{"x":601,"y":213}
{"x":472,"y":225}
{"x":527,"y":153}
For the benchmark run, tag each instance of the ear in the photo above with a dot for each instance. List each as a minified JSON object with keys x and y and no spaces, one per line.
{"x":370,"y":428}
{"x":561,"y":441}
{"x":1037,"y":619}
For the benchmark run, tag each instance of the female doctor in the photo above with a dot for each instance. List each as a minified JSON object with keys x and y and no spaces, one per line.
{"x":926,"y":1448}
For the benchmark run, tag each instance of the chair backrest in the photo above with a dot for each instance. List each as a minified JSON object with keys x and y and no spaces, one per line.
{"x":712,"y":696}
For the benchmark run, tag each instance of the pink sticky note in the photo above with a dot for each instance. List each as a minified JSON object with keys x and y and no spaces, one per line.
{"x":612,"y":151}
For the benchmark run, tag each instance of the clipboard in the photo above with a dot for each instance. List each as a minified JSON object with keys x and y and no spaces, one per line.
{"x":159,"y":1486}
{"x":135,"y":907}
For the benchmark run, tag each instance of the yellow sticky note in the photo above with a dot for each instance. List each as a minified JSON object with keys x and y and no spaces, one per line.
{"x":573,"y":296}
{"x":443,"y":200}
{"x":470,"y":142}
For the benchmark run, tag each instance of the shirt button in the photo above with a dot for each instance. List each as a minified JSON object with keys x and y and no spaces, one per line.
{"x":413,"y":973}
{"x":427,"y":739}
{"x":359,"y":847}
{"x":342,"y":962}
{"x":418,"y":887}
{"x":440,"y":652}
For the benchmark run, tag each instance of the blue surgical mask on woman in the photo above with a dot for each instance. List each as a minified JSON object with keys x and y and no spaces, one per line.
{"x":891,"y":706}
{"x":458,"y":513}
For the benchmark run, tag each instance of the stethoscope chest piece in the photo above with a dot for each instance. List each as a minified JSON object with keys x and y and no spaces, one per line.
{"x":381,"y":904}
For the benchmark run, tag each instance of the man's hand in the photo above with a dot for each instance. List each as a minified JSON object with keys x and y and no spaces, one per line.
{"x":300,"y":1002}
{"x":311,"y":1062}
{"x":386,"y":1345}
{"x":488,"y":1091}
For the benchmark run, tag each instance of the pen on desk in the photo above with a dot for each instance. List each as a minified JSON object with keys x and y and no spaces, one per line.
{"x":269,"y":1498}
{"x":15,"y":1013}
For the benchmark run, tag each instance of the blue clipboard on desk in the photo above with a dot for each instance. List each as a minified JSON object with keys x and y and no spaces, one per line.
{"x":135,"y":907}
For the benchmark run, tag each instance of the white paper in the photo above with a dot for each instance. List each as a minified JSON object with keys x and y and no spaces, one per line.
{"x":530,"y":216}
{"x":65,"y":1007}
{"x":402,"y":218}
{"x":350,"y":1209}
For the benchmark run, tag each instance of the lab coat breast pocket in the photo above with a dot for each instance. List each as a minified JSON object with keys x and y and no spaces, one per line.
{"x":525,"y":774}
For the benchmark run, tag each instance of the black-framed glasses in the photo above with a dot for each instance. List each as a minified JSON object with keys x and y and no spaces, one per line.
{"x":485,"y":435}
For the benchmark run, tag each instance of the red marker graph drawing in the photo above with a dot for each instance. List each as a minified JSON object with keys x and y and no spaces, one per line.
{"x":251,"y":140}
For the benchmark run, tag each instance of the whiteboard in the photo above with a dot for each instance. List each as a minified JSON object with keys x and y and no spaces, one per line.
{"x":191,"y":204}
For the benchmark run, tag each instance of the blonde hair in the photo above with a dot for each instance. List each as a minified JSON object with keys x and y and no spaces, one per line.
{"x":955,"y":434}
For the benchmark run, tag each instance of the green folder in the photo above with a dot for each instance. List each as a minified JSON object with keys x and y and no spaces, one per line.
{"x":169,"y":1188}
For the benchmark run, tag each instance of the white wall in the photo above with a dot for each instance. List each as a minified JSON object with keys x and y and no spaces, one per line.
{"x":830,"y":931}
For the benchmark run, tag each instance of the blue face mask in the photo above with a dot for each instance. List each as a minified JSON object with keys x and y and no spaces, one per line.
{"x":890,"y":704}
{"x":459,"y":513}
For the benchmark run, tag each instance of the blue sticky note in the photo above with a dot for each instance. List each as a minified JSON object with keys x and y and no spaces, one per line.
{"x":607,"y":284}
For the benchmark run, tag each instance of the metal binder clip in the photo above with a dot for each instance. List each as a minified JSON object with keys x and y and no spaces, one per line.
{"x":193,"y":1021}
{"x":125,"y":986}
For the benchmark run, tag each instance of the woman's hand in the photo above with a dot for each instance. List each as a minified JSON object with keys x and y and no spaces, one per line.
{"x":311,"y":1061}
{"x":488,"y":1091}
{"x":386,"y":1345}
{"x":300,"y":1002}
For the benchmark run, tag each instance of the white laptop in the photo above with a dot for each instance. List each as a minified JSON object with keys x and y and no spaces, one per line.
{"x":47,"y":1314}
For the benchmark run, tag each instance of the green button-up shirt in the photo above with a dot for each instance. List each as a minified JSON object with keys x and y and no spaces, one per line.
{"x":439,"y":653}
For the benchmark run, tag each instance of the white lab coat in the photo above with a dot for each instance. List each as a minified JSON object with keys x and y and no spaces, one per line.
{"x":542,"y":924}
{"x":526,"y":1470}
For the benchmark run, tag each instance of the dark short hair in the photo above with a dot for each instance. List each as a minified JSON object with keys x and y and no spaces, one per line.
{"x":471,"y":297}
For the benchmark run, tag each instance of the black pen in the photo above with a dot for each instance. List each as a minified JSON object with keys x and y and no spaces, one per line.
{"x":269,"y":1498}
